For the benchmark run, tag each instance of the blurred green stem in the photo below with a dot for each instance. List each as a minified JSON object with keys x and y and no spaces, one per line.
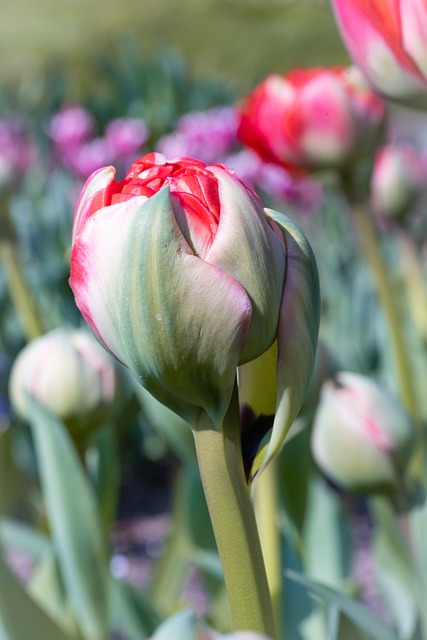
{"x":369,"y":243}
{"x":220,"y":460}
{"x":414,"y":280}
{"x":19,"y":291}
{"x":170,"y":571}
{"x":266,"y":498}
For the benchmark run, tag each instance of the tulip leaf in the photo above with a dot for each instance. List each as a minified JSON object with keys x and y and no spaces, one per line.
{"x":74,"y":521}
{"x":131,"y":612}
{"x":20,"y":617}
{"x":47,"y":590}
{"x":19,"y":535}
{"x":182,"y":626}
{"x":360,"y":615}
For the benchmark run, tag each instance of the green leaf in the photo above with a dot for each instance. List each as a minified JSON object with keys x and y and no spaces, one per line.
{"x":18,"y":535}
{"x":20,"y":617}
{"x":131,"y":612}
{"x":401,"y":604}
{"x":47,"y":590}
{"x":182,"y":626}
{"x":326,"y":535}
{"x":362,"y":617}
{"x":75,"y":523}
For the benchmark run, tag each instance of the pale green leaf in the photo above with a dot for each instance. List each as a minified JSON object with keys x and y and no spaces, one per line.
{"x":360,"y":615}
{"x":20,"y":617}
{"x":74,"y":521}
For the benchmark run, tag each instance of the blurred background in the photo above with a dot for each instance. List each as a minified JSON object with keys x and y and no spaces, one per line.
{"x":233,"y":41}
{"x":86,"y":84}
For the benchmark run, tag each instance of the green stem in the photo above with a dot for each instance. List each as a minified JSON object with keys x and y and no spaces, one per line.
{"x":369,"y":243}
{"x":19,"y":291}
{"x":413,"y":276}
{"x":266,"y":512}
{"x":220,"y":460}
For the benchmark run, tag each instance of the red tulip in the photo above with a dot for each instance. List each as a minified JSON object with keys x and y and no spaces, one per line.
{"x":388,"y":40}
{"x":312,"y":119}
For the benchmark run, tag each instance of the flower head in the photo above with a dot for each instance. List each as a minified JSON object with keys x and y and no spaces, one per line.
{"x":387,"y":40}
{"x":184,"y":277}
{"x":311,"y":119}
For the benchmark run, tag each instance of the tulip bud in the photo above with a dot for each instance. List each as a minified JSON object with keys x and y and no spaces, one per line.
{"x":398,"y":179}
{"x":386,"y":39}
{"x":362,"y":436}
{"x":68,"y":373}
{"x":183,"y":277}
{"x":322,"y":118}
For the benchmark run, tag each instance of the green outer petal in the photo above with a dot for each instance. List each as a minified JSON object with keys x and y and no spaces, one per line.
{"x":261,"y":397}
{"x":246,"y":247}
{"x":177,"y":322}
{"x":297,"y":331}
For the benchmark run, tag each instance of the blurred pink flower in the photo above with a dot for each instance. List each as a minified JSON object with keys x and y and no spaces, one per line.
{"x":311,"y":119}
{"x":17,"y":152}
{"x":71,"y":126}
{"x":206,"y":135}
{"x":305,"y":193}
{"x":85,"y":159}
{"x":72,"y":130}
{"x":125,"y":137}
{"x":398,"y":179}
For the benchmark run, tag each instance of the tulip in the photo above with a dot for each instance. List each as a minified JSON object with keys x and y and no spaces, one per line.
{"x":183,"y":277}
{"x":398,"y":179}
{"x":362,"y":436}
{"x":386,"y":39}
{"x":322,"y":118}
{"x":69,"y":374}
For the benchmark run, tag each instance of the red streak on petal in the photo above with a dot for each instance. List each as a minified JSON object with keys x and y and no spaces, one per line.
{"x":385,"y":16}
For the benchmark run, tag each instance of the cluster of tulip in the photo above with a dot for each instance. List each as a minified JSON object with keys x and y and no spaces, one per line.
{"x":212,"y":302}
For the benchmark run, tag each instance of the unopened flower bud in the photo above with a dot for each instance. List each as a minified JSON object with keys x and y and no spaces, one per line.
{"x":362,"y":436}
{"x":398,"y":179}
{"x":184,"y":277}
{"x":69,"y":374}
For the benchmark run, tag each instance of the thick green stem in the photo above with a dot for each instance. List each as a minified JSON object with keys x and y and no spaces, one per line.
{"x":266,"y":511}
{"x":233,"y":520}
{"x":368,"y":240}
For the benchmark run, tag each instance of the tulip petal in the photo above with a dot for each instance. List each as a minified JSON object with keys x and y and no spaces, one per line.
{"x":93,"y":196}
{"x":297,"y":330}
{"x":176,"y":321}
{"x":375,"y":46}
{"x":258,"y":263}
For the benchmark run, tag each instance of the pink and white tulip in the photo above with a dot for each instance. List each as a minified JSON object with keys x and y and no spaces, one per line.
{"x":312,"y":119}
{"x":387,"y":39}
{"x":399,"y":178}
{"x":362,"y":436}
{"x":183,"y":277}
{"x":68,"y":373}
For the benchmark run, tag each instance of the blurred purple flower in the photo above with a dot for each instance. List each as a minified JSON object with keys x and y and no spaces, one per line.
{"x":78,"y":151}
{"x":125,"y":137}
{"x":88,"y":157}
{"x":206,"y":135}
{"x":305,"y":193}
{"x":17,"y":152}
{"x":71,"y":127}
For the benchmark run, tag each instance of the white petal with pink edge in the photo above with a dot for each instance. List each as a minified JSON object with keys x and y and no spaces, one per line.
{"x":177,"y":322}
{"x":97,"y":181}
{"x":247,"y":249}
